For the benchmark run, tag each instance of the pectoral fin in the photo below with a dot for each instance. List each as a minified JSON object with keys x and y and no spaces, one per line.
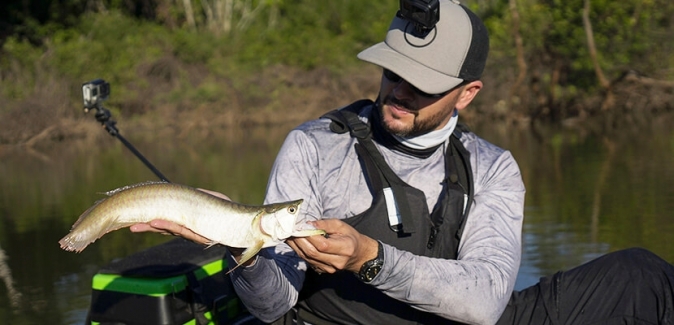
{"x":248,"y":254}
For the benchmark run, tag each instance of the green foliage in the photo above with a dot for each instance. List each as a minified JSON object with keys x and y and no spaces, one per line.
{"x":628,"y":36}
{"x":108,"y":44}
{"x":621,"y":31}
{"x":194,"y":47}
{"x":113,"y":45}
{"x":314,"y":33}
{"x":207,"y":92}
{"x":17,"y":68}
{"x":118,"y":40}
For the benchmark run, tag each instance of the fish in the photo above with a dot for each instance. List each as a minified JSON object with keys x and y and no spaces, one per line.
{"x":220,"y":221}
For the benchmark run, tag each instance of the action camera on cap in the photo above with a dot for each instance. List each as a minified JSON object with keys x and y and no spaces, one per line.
{"x":423,"y":13}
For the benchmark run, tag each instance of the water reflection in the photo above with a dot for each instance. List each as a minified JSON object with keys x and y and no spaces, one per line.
{"x":585,"y":196}
{"x":13,"y":295}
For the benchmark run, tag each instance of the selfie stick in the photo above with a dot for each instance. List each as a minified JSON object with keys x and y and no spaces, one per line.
{"x":103,"y":116}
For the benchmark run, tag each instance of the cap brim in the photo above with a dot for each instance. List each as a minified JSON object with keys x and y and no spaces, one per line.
{"x":426,"y":79}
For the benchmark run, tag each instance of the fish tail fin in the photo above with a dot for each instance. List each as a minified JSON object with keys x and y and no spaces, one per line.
{"x":76,"y":241}
{"x":248,"y":254}
{"x":80,"y":237}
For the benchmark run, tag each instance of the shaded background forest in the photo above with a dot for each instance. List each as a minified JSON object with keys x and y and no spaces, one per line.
{"x":194,"y":64}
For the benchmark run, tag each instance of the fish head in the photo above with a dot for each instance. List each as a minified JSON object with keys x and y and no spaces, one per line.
{"x":279,"y":219}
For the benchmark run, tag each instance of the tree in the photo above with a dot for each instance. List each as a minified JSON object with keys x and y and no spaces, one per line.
{"x":228,"y":16}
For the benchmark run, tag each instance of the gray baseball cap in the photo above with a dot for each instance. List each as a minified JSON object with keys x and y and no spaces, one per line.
{"x":454,"y":51}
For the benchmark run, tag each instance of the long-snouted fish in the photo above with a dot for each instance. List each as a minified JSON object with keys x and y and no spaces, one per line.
{"x":221,"y":221}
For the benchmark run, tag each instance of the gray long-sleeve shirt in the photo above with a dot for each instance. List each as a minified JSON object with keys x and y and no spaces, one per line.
{"x":323,"y":168}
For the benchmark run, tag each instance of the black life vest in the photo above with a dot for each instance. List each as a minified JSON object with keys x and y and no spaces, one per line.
{"x":342,"y":297}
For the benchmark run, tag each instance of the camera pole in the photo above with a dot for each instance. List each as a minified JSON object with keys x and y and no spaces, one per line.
{"x":103,"y":116}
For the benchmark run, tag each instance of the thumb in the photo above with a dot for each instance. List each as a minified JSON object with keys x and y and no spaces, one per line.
{"x":330,"y":226}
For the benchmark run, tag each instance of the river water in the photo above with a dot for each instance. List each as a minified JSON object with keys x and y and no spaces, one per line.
{"x":586,"y":196}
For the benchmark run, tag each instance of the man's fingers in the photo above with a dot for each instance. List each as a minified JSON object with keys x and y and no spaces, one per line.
{"x":214,"y":193}
{"x":169,"y":228}
{"x":329,"y":225}
{"x":344,"y":249}
{"x":160,"y":227}
{"x":320,"y":262}
{"x":305,"y":248}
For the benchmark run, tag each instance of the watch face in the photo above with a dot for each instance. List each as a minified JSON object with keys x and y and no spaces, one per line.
{"x":371,"y":271}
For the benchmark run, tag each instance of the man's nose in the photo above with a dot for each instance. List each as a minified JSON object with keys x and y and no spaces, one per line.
{"x":403,"y":90}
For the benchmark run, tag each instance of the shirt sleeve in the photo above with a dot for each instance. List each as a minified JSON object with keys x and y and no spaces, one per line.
{"x":270,"y":286}
{"x":475,"y":288}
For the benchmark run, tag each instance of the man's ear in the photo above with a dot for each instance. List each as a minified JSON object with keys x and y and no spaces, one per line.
{"x":468,"y":93}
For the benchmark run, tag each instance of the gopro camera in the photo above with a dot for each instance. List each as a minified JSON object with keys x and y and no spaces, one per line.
{"x":423,"y":13}
{"x":95,"y":92}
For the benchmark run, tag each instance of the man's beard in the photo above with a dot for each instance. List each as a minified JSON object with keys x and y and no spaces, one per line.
{"x":419,"y":125}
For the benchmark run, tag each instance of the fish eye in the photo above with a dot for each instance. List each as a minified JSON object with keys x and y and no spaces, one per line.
{"x":292,"y":209}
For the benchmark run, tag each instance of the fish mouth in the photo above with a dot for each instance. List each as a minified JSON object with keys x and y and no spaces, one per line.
{"x":307,"y":230}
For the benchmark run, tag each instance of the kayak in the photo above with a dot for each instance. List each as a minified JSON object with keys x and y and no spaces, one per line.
{"x":175,"y":283}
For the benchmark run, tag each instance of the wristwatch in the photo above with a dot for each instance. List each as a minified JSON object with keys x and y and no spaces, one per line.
{"x":371,"y":268}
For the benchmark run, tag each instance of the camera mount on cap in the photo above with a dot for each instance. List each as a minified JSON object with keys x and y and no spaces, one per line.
{"x":423,"y":13}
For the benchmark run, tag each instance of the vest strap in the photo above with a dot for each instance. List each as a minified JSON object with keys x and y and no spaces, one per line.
{"x":458,"y":170}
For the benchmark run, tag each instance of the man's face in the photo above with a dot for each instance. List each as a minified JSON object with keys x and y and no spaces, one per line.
{"x":407,"y":112}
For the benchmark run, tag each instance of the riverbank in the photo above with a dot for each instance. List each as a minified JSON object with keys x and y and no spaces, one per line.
{"x":283,"y":95}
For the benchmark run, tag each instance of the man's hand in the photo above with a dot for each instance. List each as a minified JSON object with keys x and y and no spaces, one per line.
{"x":343,"y":249}
{"x":169,"y":228}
